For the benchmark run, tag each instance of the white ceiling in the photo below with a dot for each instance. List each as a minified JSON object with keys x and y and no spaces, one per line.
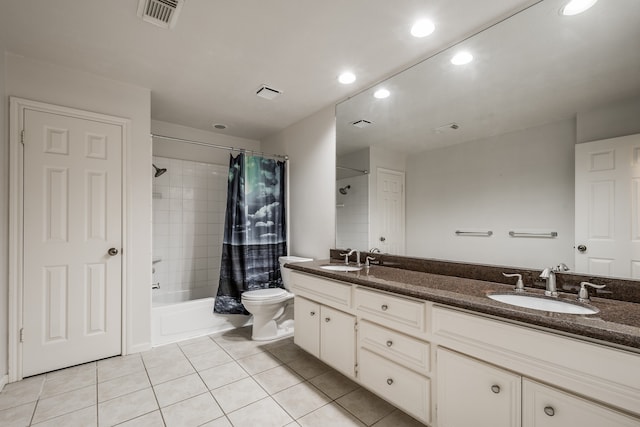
{"x":207,"y":69}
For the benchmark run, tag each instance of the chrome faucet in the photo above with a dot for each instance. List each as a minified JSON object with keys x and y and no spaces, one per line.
{"x":549,"y":274}
{"x":348,"y":254}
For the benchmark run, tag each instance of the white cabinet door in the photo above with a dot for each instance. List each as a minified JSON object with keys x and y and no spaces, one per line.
{"x":473,"y":393}
{"x":307,"y":327}
{"x":337,"y":340}
{"x":544,"y":406}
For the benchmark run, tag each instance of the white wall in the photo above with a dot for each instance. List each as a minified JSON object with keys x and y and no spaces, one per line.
{"x":609,"y":121}
{"x":519,"y":181}
{"x":4,"y":221}
{"x":49,"y":83}
{"x":311,"y":147}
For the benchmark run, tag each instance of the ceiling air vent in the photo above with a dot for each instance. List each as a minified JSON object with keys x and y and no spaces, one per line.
{"x":446,"y":128}
{"x":267,"y":92}
{"x":362,"y":123}
{"x":163,"y":13}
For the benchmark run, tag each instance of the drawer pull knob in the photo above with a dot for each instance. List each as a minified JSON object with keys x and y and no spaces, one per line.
{"x":389,"y":343}
{"x":384,"y":307}
{"x":389,"y":381}
{"x":327,"y":319}
{"x":495,"y":388}
{"x":313,"y":313}
{"x":549,"y":411}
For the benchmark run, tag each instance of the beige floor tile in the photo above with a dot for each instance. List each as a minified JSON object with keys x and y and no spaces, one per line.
{"x":263,"y":413}
{"x":301,"y":399}
{"x":17,"y":415}
{"x":259,"y":362}
{"x":398,"y":419}
{"x":223,"y":375}
{"x":65,"y":403}
{"x":152,"y":419}
{"x":210,"y":360}
{"x":293,"y":424}
{"x":21,"y":392}
{"x":73,"y":371}
{"x":85,"y":417}
{"x":330,"y":415}
{"x":119,"y":366}
{"x":243,"y":349}
{"x":308,"y":366}
{"x":162,"y":355}
{"x":73,"y":379}
{"x":334,"y":384}
{"x":287,"y":352}
{"x":170,"y":371}
{"x":126,"y":407}
{"x":238,"y":394}
{"x":220,"y":422}
{"x":366,"y":406}
{"x":179,"y":389}
{"x":277,"y":379}
{"x":192,"y":412}
{"x":122,"y":385}
{"x":202,"y":346}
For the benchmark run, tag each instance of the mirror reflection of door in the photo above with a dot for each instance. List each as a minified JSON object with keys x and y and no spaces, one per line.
{"x":607,"y":207}
{"x":388,"y":234}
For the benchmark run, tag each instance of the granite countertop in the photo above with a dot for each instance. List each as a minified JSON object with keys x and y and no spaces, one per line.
{"x":617,"y":323}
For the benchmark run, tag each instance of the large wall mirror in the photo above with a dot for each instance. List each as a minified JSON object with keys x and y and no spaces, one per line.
{"x":506,"y":159}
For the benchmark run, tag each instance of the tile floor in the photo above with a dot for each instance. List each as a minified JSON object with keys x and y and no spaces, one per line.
{"x":214,"y":381}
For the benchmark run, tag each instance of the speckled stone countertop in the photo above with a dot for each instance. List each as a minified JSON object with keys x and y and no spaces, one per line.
{"x":617,"y":323}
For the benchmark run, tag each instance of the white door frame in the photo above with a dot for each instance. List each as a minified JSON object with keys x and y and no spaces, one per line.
{"x":16,"y":225}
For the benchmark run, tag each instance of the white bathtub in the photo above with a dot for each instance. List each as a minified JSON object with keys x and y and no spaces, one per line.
{"x":174,"y":319}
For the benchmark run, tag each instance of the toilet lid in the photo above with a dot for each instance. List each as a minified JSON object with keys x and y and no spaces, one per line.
{"x":262,"y":294}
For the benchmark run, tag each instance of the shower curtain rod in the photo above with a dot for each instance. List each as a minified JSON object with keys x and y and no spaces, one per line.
{"x":222,"y":147}
{"x":362,"y":171}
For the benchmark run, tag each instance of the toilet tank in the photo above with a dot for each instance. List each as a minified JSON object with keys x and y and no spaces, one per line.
{"x":285,"y":272}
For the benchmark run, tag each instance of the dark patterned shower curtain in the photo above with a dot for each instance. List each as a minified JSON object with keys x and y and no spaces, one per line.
{"x":255,"y":230}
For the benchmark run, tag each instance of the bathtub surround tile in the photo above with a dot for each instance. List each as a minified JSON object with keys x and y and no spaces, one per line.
{"x":223,"y":375}
{"x":85,"y":417}
{"x":301,"y":399}
{"x":334,"y":384}
{"x":192,"y":412}
{"x":65,"y":403}
{"x":19,"y":393}
{"x":238,"y":394}
{"x":17,"y":415}
{"x":330,"y":415}
{"x":122,"y":385}
{"x":179,"y":389}
{"x":365,"y":405}
{"x":277,"y":379}
{"x":126,"y":407}
{"x":263,"y":413}
{"x":259,"y":362}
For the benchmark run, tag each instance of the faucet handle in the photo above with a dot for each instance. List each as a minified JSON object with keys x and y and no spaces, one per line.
{"x":561,"y":267}
{"x":583,"y":294}
{"x":519,"y":285}
{"x":367,"y":259}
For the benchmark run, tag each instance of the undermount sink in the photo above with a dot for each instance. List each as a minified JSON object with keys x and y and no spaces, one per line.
{"x":340,"y":267}
{"x":536,"y":302}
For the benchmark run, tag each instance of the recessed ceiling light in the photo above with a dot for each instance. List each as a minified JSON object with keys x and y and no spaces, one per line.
{"x":575,"y":7}
{"x":461,"y":58}
{"x":381,"y":93}
{"x":219,"y":126}
{"x":347,"y":78}
{"x":422,"y":28}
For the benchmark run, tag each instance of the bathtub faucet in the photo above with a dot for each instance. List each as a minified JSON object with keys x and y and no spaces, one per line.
{"x":155,"y":285}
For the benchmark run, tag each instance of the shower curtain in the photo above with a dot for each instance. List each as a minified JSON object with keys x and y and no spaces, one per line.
{"x":255,"y":230}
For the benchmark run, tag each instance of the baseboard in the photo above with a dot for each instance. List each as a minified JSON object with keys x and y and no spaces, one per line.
{"x":4,"y":380}
{"x":139,"y":348}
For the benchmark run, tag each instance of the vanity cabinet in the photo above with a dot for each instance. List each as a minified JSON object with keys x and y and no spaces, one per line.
{"x":470,"y":392}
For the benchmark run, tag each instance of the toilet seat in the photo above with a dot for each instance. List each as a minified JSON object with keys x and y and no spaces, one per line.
{"x":266,"y":295}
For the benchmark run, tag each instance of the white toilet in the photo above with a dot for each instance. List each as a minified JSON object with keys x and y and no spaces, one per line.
{"x":272,"y":308}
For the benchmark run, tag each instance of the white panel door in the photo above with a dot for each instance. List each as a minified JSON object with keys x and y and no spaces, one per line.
{"x":390,"y":224}
{"x":72,"y":217}
{"x":607,"y":200}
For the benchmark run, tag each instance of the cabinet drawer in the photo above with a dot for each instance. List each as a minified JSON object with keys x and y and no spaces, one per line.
{"x":325,"y":291}
{"x":380,"y":307}
{"x":400,"y":386}
{"x":407,"y":351}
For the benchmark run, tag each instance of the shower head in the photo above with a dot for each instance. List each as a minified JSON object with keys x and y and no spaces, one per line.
{"x":159,"y":171}
{"x":343,"y":190}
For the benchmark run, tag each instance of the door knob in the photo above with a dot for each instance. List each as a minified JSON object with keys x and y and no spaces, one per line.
{"x":112,"y":251}
{"x":382,"y":238}
{"x":582,"y":248}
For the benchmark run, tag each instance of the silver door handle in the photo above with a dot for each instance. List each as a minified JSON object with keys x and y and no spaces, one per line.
{"x":112,"y":251}
{"x":582,"y":248}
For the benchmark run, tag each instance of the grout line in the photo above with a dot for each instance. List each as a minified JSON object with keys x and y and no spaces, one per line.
{"x":153,"y":390}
